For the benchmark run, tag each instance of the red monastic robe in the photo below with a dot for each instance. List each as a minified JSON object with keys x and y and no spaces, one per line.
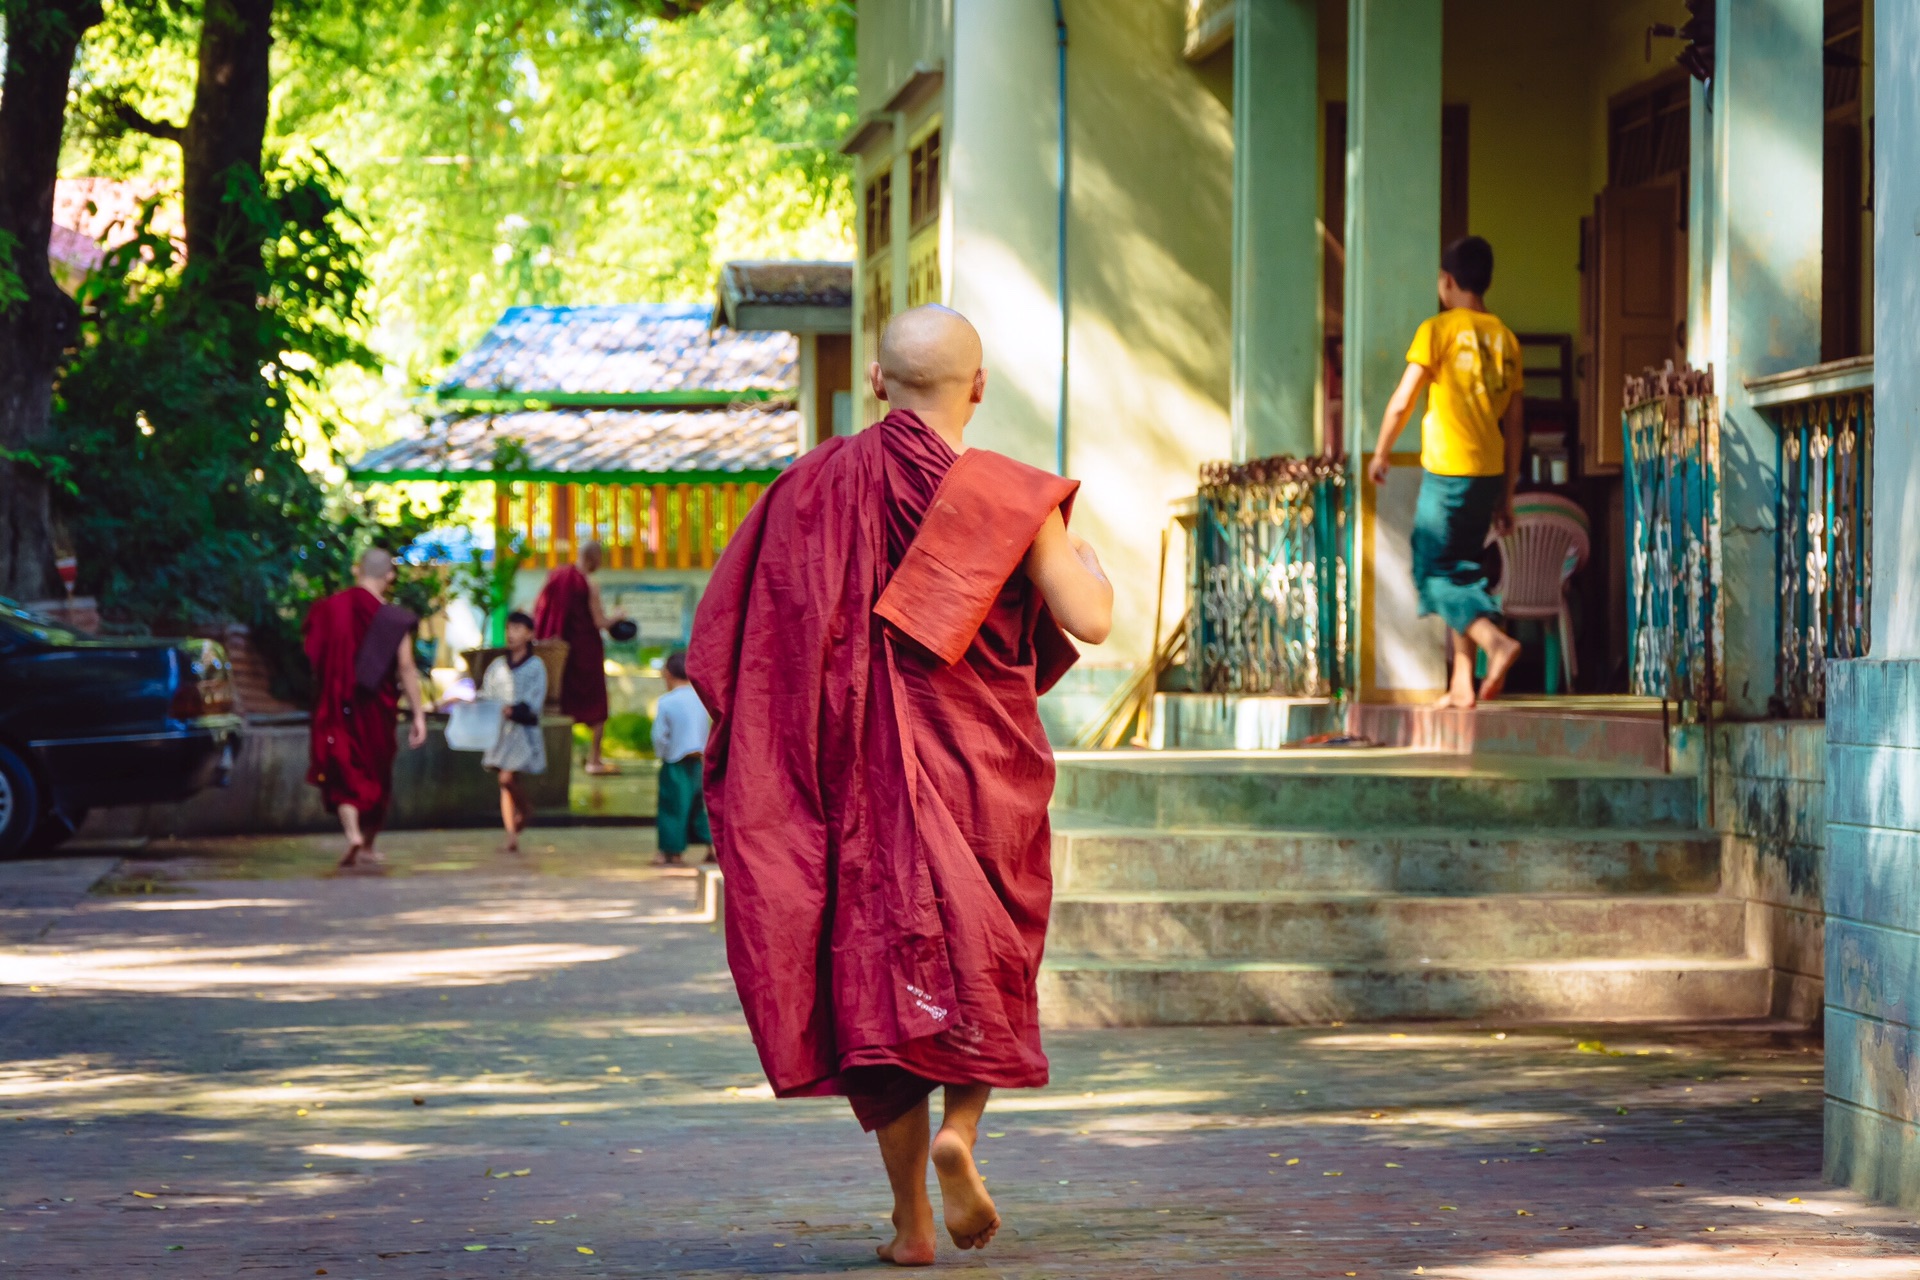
{"x":564,"y":609}
{"x":877,"y":775}
{"x":353,"y":735}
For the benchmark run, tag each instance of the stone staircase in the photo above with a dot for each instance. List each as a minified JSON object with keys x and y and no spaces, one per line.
{"x":1314,"y":887}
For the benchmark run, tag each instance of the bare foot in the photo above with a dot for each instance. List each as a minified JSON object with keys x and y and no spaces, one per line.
{"x":1501,"y":655}
{"x":601,"y":769}
{"x":1451,"y":700}
{"x":971,"y":1218}
{"x":511,"y":845}
{"x":351,"y":858}
{"x":912,"y":1243}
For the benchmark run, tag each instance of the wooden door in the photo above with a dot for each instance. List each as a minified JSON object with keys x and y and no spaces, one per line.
{"x":1638,"y":303}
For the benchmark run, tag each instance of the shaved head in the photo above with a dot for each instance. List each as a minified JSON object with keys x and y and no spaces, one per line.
{"x":929,"y":349}
{"x":591,"y":554}
{"x":375,"y":565}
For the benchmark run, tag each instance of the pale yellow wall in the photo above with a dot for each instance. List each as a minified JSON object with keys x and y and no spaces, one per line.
{"x":1523,"y":69}
{"x":1537,"y":79}
{"x":894,"y":36}
{"x":1150,"y":280}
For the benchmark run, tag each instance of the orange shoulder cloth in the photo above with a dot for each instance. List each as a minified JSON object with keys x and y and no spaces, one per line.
{"x":977,"y":530}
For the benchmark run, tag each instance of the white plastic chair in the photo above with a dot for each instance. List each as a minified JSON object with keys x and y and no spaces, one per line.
{"x":1548,"y":544}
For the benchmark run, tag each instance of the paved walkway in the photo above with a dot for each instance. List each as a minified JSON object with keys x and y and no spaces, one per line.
{"x":221,"y":1064}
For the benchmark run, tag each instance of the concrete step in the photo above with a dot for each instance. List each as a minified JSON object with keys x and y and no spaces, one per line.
{"x":1080,"y":991}
{"x":1431,"y":860}
{"x":1371,"y":928}
{"x":1338,"y":791}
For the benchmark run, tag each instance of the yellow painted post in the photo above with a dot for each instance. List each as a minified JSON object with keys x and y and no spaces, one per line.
{"x":683,"y":545}
{"x":657,"y":514}
{"x":533,"y":546}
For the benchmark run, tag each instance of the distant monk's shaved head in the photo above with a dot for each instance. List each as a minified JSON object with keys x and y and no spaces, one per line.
{"x":928,"y":349}
{"x":375,"y":564}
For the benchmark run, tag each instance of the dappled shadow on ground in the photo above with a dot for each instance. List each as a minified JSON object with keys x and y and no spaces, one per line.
{"x":482,"y":1074}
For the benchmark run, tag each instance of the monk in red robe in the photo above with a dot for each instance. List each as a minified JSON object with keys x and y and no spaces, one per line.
{"x":358,"y":644}
{"x":872,"y":646}
{"x":569,"y":608}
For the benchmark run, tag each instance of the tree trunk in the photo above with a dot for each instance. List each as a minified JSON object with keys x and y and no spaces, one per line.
{"x":42,"y":37}
{"x":228,"y":127}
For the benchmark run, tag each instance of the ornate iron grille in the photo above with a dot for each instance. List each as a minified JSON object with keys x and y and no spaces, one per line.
{"x":1674,"y":617}
{"x":1826,"y":543}
{"x":1267,"y":588}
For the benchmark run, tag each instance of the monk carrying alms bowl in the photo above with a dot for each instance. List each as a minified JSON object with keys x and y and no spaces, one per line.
{"x":872,"y":648}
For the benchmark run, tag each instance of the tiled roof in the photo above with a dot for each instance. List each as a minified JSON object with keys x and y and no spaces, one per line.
{"x":782,"y":283}
{"x":637,"y":348}
{"x":640,"y":442}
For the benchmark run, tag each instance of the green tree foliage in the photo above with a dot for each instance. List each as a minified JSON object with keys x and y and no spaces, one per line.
{"x":512,"y":151}
{"x":190,"y":500}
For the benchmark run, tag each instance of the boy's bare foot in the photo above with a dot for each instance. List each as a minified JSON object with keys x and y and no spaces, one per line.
{"x":1502,"y":653}
{"x":912,"y":1243}
{"x":351,"y":858}
{"x":968,"y":1209}
{"x":1454,"y":700}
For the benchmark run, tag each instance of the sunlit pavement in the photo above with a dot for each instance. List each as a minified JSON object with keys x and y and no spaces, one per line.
{"x":222,"y":1063}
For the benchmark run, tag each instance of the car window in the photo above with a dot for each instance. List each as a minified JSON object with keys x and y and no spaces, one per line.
{"x":19,"y":623}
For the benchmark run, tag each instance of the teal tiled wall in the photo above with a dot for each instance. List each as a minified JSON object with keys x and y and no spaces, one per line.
{"x":1872,"y":890}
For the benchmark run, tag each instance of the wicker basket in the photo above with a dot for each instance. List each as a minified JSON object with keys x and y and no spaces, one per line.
{"x":553,"y":653}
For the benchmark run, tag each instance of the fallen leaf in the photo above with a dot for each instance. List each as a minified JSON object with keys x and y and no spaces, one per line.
{"x":544,"y":1222}
{"x":996,"y":1135}
{"x":1447,"y":1208}
{"x":521,"y":1173}
{"x":502,"y":1174}
{"x":613,"y":1071}
{"x":637,"y":1151}
{"x":302,"y":1111}
{"x":1392,"y":1165}
{"x":580,"y":1248}
{"x":175,"y":1248}
{"x":419,"y":1102}
{"x":473,"y":1248}
{"x":1795,"y":1200}
{"x":1295,"y":1160}
{"x":566,"y":1122}
{"x":1522,"y":1213}
{"x":146,"y":1195}
{"x":1331,"y":1173}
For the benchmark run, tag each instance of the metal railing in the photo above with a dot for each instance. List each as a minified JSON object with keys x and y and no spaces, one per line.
{"x":1267,"y":586}
{"x":1674,"y":614}
{"x":1823,"y":523}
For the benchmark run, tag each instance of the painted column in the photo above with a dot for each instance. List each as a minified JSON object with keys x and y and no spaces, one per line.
{"x":1767,"y":127}
{"x":1276,"y":249}
{"x":1393,"y":261}
{"x":1872,"y":1131}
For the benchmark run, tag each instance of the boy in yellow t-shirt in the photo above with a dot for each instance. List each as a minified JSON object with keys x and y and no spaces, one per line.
{"x":1468,"y":363}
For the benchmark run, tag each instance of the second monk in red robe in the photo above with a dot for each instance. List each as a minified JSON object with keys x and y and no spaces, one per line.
{"x":872,"y":646}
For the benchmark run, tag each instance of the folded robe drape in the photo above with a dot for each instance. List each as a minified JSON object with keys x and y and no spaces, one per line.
{"x":880,"y":810}
{"x":352,"y":739}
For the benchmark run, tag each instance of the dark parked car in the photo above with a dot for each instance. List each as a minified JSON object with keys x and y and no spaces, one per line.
{"x":87,"y":721}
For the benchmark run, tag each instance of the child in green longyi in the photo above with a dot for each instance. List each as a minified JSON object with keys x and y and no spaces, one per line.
{"x":1468,"y":363}
{"x":680,"y":728}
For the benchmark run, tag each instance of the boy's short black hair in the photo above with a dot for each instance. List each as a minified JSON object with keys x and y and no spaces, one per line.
{"x":1469,"y":260}
{"x":521,"y":618}
{"x":676,"y":664}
